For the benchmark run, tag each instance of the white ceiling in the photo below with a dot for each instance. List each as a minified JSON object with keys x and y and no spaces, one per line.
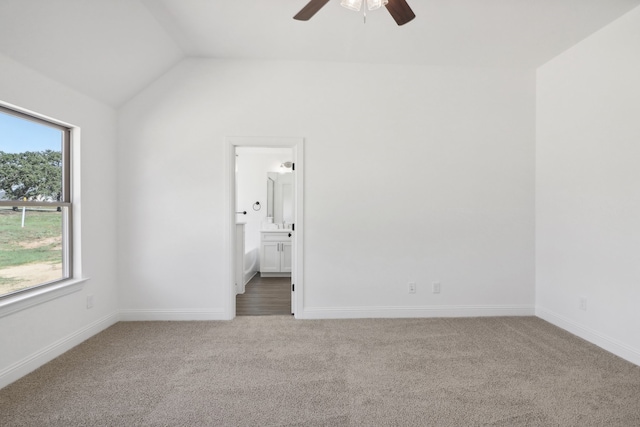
{"x":107,"y":49}
{"x":111,"y":49}
{"x":513,"y":33}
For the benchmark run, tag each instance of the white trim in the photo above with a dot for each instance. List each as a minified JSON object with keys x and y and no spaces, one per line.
{"x":248,"y":275}
{"x":263,"y":274}
{"x":76,"y":200}
{"x":603,"y":341}
{"x":27,"y":299}
{"x":417,"y":312}
{"x":36,"y":115}
{"x":297,"y":275}
{"x":177,"y":315}
{"x":230,"y":242}
{"x":50,"y":352}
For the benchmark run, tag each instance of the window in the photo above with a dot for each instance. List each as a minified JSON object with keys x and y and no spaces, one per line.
{"x":35,"y":203}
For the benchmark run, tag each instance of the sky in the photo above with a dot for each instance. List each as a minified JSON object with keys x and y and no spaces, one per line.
{"x":19,"y":135}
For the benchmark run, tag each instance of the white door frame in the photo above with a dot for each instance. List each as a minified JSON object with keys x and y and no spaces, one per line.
{"x":297,"y":273}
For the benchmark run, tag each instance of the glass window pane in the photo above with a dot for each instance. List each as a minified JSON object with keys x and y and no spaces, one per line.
{"x":31,"y":247}
{"x":30,"y":160}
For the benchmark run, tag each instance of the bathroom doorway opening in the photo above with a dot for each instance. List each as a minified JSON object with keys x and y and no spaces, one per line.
{"x":266,"y":226}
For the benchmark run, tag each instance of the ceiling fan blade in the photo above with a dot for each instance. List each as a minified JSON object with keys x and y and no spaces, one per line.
{"x":400,"y":11}
{"x":310,"y":9}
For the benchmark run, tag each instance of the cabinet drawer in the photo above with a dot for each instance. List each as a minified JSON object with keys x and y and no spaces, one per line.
{"x":276,"y":237}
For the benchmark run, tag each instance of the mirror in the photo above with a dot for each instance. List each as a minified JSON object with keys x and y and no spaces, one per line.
{"x":280,"y":197}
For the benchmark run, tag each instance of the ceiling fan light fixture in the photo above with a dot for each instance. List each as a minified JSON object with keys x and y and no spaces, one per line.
{"x":399,"y":10}
{"x":376,"y":4}
{"x":354,"y":5}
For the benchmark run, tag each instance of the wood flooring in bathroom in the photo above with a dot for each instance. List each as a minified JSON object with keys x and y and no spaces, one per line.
{"x":265,"y":296}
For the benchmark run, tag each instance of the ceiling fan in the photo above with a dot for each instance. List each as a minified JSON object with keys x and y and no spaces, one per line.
{"x":399,"y":9}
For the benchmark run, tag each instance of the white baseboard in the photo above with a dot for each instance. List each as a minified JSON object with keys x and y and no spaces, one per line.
{"x":601,"y":340}
{"x":409,"y":312}
{"x":248,"y":275}
{"x":50,"y":352}
{"x":172,"y":315}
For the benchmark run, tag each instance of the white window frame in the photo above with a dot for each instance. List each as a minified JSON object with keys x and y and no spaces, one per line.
{"x":72,"y":280}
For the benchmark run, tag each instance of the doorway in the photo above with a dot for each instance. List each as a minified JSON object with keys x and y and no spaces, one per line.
{"x":265,"y":296}
{"x":266,"y":226}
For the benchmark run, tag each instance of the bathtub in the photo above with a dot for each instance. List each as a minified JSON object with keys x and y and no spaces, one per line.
{"x":251,"y":264}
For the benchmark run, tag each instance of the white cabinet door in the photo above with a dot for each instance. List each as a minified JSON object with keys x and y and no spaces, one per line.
{"x":270,"y":257}
{"x":285,"y":257}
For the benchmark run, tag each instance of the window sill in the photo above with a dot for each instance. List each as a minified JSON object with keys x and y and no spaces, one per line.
{"x":29,"y":299}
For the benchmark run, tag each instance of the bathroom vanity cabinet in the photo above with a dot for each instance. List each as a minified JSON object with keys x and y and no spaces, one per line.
{"x":275,"y":253}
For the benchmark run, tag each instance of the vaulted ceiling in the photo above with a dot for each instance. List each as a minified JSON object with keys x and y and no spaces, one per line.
{"x":112,"y":49}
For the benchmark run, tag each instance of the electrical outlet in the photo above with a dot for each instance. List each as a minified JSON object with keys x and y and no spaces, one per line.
{"x":89,"y":301}
{"x":436,"y":287}
{"x":412,"y":287}
{"x":583,"y":303}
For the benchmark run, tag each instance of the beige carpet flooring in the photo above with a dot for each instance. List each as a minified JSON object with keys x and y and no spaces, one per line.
{"x":277,"y":371}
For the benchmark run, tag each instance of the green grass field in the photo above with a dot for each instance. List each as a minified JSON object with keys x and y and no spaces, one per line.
{"x":38,"y":242}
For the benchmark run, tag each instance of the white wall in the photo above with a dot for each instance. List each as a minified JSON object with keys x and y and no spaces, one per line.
{"x":34,"y":336}
{"x":412,"y":173}
{"x":588,"y":197}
